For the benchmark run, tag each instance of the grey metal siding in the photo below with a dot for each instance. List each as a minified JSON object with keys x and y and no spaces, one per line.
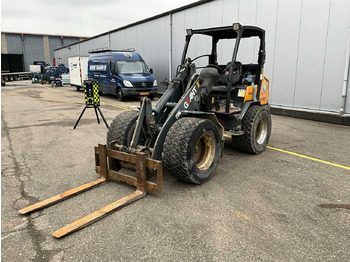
{"x":150,"y":40}
{"x":306,"y":43}
{"x":311,"y":54}
{"x":99,"y":42}
{"x":69,"y":40}
{"x":32,"y":46}
{"x":33,"y":50}
{"x":74,"y":51}
{"x":266,"y":18}
{"x":54,"y":43}
{"x":286,"y":53}
{"x":347,"y":101}
{"x":14,"y":44}
{"x":334,"y":63}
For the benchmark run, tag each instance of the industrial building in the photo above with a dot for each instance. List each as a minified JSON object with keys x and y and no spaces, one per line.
{"x":307,"y":44}
{"x":19,"y":50}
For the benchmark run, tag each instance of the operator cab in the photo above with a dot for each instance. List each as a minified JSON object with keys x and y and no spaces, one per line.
{"x":225,"y":83}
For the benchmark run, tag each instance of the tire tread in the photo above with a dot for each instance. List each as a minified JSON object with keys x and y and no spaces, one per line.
{"x":175,"y":147}
{"x":119,"y":126}
{"x":245,"y":142}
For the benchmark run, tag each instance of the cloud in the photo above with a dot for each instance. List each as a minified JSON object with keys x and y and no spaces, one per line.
{"x":80,"y":17}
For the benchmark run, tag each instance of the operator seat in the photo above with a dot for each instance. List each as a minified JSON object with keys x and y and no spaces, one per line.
{"x":223,"y":79}
{"x":209,"y":77}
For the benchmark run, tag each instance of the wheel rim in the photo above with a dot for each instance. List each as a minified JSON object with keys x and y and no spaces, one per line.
{"x":205,"y":151}
{"x":261,"y":131}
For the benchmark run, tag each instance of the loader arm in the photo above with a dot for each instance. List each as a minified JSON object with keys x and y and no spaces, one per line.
{"x":190,"y":101}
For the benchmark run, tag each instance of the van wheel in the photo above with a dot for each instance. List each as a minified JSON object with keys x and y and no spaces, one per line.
{"x":120,"y":94}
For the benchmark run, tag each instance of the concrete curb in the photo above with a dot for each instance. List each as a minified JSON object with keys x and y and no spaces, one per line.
{"x":327,"y":117}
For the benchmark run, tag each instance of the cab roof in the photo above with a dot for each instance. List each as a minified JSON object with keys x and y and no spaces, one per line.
{"x":227,"y":32}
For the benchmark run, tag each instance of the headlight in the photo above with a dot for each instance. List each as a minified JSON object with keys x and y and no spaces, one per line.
{"x":155,"y":83}
{"x":127,"y":83}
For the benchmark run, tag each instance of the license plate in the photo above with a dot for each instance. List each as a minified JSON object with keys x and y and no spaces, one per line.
{"x":144,"y":93}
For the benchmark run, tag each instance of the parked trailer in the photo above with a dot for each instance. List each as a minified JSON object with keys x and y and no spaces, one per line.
{"x":14,"y":76}
{"x":78,"y":70}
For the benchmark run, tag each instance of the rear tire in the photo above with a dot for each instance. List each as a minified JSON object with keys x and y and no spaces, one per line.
{"x":257,"y":131}
{"x":192,"y":149}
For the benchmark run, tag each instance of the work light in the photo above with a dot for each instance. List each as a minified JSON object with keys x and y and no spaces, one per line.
{"x":236,"y":26}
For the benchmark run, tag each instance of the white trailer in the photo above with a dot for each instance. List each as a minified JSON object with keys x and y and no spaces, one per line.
{"x":78,"y":70}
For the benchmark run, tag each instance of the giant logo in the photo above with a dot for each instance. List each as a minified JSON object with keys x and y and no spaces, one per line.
{"x":190,"y":98}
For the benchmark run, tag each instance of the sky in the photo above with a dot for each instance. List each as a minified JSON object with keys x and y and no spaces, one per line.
{"x":79,"y":17}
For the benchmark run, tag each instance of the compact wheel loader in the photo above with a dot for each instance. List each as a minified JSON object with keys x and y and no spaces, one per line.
{"x":185,"y":130}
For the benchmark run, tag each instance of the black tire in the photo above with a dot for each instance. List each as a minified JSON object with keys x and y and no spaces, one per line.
{"x":192,"y":149}
{"x":78,"y":88}
{"x":120,"y":94}
{"x":122,"y":127}
{"x":121,"y":130}
{"x":257,"y":131}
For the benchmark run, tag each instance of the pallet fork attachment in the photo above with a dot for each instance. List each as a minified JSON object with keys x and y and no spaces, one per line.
{"x":102,"y":157}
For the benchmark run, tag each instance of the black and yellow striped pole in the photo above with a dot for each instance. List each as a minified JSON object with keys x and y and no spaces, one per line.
{"x":92,"y":100}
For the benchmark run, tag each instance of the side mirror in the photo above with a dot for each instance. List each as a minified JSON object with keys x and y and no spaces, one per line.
{"x":151,"y":71}
{"x":114,"y":71}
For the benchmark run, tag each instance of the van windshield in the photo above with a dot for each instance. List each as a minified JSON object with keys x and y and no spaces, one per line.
{"x":132,"y":67}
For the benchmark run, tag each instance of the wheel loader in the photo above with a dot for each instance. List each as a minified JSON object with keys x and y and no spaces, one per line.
{"x":185,"y":130}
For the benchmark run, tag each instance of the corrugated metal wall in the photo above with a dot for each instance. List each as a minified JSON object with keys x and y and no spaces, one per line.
{"x":14,"y":44}
{"x":32,"y":46}
{"x":33,"y":50}
{"x":306,"y":44}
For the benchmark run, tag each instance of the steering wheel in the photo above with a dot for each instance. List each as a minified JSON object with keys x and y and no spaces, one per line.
{"x":215,"y":66}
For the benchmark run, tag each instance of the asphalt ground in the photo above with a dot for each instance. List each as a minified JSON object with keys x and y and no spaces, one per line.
{"x":255,"y":208}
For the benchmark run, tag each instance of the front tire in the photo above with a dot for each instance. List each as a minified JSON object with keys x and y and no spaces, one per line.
{"x":192,"y":149}
{"x":257,"y":131}
{"x":120,"y":94}
{"x":122,"y":128}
